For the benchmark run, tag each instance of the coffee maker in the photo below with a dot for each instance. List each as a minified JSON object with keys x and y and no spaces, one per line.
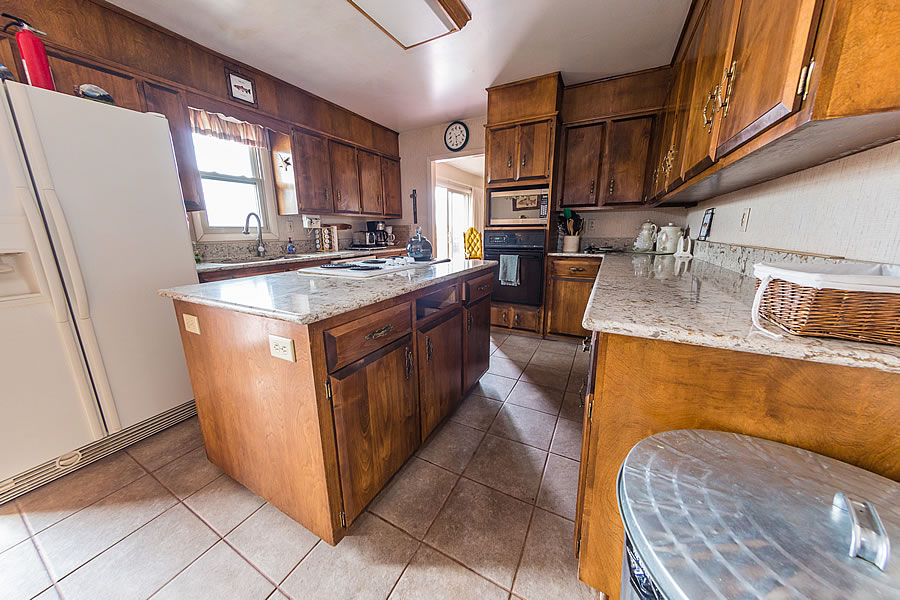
{"x":375,"y":230}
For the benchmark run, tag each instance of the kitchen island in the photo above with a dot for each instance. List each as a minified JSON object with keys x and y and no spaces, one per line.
{"x":313,"y":390}
{"x":673,"y":347}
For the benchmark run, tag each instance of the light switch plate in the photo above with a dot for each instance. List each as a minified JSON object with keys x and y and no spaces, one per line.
{"x":282,"y":348}
{"x":745,"y":219}
{"x":191,"y":323}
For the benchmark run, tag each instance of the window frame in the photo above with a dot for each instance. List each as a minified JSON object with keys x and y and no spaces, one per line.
{"x":460,"y":188}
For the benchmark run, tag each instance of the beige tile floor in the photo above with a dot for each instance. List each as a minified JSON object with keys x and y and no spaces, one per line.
{"x":484,"y":510}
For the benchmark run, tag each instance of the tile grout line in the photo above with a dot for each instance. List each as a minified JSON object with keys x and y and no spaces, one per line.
{"x":294,"y":568}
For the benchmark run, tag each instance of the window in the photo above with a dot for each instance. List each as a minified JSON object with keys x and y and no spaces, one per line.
{"x":232,"y":178}
{"x":452,"y":216}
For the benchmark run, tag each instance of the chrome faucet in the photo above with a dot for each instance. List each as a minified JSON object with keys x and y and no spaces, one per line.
{"x":260,"y":248}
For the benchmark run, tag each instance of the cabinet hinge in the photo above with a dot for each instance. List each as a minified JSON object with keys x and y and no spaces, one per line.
{"x":343,"y":520}
{"x":805,"y":77}
{"x":577,"y":547}
{"x":328,"y":393}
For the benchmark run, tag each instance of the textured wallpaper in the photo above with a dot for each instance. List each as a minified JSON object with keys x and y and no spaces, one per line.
{"x":848,"y":208}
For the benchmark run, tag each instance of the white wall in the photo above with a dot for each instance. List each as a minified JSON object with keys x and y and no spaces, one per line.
{"x":848,"y":208}
{"x":626,"y":223}
{"x":418,"y":147}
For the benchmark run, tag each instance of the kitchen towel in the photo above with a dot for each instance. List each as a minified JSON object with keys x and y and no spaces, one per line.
{"x":509,"y":269}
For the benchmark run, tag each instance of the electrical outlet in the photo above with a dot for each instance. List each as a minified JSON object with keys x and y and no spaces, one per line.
{"x":745,"y":219}
{"x":282,"y":348}
{"x":191,"y":323}
{"x":591,"y":224}
{"x":290,"y":224}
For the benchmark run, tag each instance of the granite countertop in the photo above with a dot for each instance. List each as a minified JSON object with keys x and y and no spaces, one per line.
{"x":574,"y":255}
{"x":302,"y":298}
{"x":696,"y":302}
{"x":206,"y":267}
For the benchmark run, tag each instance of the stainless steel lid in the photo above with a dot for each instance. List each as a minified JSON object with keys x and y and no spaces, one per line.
{"x":720,"y":515}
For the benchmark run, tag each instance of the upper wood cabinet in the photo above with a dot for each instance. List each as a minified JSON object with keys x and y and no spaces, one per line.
{"x":171,"y":103}
{"x":501,"y":149}
{"x":283,"y":173}
{"x":313,"y":174}
{"x":627,"y":149}
{"x":375,"y":421}
{"x":439,"y":349}
{"x":370,"y":188}
{"x":69,"y":73}
{"x":583,"y":162}
{"x":344,"y":177}
{"x":534,"y":150}
{"x":771,"y":47}
{"x":390,"y":183}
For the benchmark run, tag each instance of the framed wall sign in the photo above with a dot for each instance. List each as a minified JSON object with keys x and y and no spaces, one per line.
{"x":241,"y":87}
{"x":706,"y":224}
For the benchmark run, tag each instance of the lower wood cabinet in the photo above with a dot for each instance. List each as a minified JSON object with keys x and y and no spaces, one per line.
{"x":476,"y":341}
{"x":568,"y":292}
{"x":376,"y":421}
{"x":439,"y":349}
{"x":516,"y":316}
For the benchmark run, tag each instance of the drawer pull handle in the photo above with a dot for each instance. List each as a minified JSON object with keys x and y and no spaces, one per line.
{"x":483,"y":287}
{"x":523,"y":159}
{"x":503,"y":314}
{"x":516,"y":319}
{"x":509,"y":162}
{"x":576,"y":269}
{"x":469,"y":320}
{"x":380,"y":332}
{"x":409,"y":362}
{"x":429,"y":349}
{"x":612,"y":186}
{"x":592,"y":188}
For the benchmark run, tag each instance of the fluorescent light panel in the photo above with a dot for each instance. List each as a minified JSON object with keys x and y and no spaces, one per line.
{"x":409,"y":22}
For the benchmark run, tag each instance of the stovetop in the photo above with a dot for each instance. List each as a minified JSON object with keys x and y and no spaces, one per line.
{"x":369,"y":267}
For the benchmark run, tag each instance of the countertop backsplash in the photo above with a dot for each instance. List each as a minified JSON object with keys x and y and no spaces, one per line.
{"x":742,"y":258}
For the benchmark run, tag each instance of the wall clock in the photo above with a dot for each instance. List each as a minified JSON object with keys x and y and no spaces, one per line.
{"x":456,"y":136}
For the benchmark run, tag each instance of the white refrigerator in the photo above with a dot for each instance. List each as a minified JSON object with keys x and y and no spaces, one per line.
{"x":91,"y":225}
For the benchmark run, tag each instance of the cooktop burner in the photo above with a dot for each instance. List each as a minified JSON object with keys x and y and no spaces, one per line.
{"x":365,"y":268}
{"x":336,"y":266}
{"x":374,"y":261}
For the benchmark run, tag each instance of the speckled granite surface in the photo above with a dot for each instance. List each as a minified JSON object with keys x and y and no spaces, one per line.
{"x":222,"y":266}
{"x":742,"y":258}
{"x":696,"y":302}
{"x":575,"y":255}
{"x":301,"y":298}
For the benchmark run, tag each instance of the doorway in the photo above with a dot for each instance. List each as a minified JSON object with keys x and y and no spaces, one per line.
{"x":458,"y":202}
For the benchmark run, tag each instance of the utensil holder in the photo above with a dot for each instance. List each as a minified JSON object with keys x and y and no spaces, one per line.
{"x":571,"y":243}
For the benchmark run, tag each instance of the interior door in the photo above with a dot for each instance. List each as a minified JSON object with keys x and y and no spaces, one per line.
{"x":375,"y":420}
{"x":627,"y":147}
{"x":69,"y":73}
{"x":439,"y":349}
{"x":477,"y":341}
{"x":172,"y":104}
{"x":581,"y":175}
{"x":390,"y":181}
{"x":502,"y":151}
{"x":771,"y":46}
{"x":312,"y":171}
{"x":344,"y":177}
{"x":534,"y":150}
{"x":370,"y":183}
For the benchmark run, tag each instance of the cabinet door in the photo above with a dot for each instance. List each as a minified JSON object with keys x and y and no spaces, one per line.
{"x":313,"y":174}
{"x":500,"y":316}
{"x":69,"y":73}
{"x":370,"y":197}
{"x":476,"y":341}
{"x":568,"y":301}
{"x":771,"y":46}
{"x":344,"y":177}
{"x":714,"y":34}
{"x":390,"y":181}
{"x":688,"y":68}
{"x":375,"y":420}
{"x":171,"y":103}
{"x":581,"y":175}
{"x":502,"y":153}
{"x":534,"y":150}
{"x":283,"y":173}
{"x":627,"y":146}
{"x":439,"y":349}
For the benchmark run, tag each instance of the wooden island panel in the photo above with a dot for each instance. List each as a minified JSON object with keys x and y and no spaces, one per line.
{"x":643,"y":386}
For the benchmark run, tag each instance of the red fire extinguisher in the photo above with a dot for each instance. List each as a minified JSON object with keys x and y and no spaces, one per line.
{"x":34,"y":57}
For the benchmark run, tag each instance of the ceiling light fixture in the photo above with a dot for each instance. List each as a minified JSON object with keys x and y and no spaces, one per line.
{"x":412,"y":23}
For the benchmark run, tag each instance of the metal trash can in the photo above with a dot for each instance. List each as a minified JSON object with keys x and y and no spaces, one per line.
{"x":718,"y":515}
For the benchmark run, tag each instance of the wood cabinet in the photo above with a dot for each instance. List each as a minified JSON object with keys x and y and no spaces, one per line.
{"x":390,"y":182}
{"x":501,"y":149}
{"x":517,"y":316}
{"x":171,"y":103}
{"x":583,"y":165}
{"x":771,"y":47}
{"x":534,"y":150}
{"x":627,"y":150}
{"x":313,"y":174}
{"x":370,"y":188}
{"x":375,"y":421}
{"x":69,"y":73}
{"x":568,"y":291}
{"x":344,"y":177}
{"x":476,"y":341}
{"x":439,"y":350}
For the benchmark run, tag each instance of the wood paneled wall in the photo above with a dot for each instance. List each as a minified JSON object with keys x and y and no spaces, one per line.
{"x":106,"y":34}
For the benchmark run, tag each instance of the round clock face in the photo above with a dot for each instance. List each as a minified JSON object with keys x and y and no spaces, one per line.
{"x":456,"y":136}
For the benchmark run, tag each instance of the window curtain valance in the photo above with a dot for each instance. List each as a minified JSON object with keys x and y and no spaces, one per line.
{"x":227,"y":128}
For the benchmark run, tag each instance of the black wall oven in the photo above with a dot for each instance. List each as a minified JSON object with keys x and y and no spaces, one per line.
{"x":528,"y":245}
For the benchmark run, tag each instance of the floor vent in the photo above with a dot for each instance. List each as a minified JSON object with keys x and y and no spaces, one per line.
{"x":81,"y":457}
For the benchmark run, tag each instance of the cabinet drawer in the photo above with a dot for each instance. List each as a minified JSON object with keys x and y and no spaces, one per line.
{"x":348,"y":342}
{"x":575,"y":267}
{"x":526,"y":318}
{"x":478,"y":287}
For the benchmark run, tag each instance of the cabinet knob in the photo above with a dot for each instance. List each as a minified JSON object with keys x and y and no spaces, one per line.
{"x":612,"y":186}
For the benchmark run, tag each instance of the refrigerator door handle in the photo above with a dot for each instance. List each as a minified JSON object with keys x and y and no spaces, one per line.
{"x":45,"y":255}
{"x":82,"y":308}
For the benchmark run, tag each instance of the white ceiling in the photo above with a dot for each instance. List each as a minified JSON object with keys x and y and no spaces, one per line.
{"x":469,"y":164}
{"x":331,"y":49}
